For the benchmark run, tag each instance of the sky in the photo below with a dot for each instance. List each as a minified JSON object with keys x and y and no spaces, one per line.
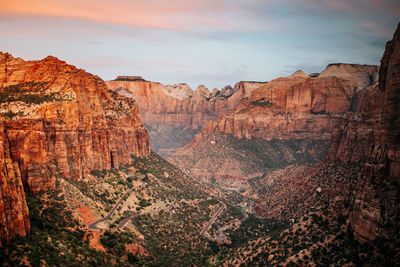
{"x":209,"y":42}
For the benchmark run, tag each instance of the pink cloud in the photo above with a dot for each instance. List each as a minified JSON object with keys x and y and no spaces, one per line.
{"x":171,"y":15}
{"x":181,"y":15}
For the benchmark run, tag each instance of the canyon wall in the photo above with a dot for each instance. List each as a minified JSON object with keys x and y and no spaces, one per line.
{"x":175,"y":113}
{"x":59,"y":119}
{"x":371,"y":137}
{"x":14,"y":215}
{"x":292,"y":117}
{"x":299,"y":106}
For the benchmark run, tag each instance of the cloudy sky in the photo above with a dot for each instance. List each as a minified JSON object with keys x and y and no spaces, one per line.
{"x":210,"y":42}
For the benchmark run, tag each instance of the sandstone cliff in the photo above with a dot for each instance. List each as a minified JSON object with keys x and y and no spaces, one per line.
{"x":14,"y":217}
{"x":372,"y":137}
{"x":172,"y":110}
{"x":62,"y":120}
{"x":299,"y":112}
{"x":299,"y":106}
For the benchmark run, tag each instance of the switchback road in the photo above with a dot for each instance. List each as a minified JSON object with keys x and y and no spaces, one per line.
{"x":211,"y":221}
{"x":93,"y":226}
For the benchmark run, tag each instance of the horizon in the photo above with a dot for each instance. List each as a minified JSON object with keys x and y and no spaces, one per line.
{"x":195,"y":87}
{"x":212,"y":43}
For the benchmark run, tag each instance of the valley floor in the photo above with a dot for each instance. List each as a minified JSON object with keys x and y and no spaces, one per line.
{"x":150,"y":213}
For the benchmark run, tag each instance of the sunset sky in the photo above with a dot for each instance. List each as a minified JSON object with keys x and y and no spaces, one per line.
{"x":210,"y":42}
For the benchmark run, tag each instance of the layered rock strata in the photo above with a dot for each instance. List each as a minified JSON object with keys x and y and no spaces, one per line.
{"x":165,"y":108}
{"x":62,"y":120}
{"x":371,"y":137}
{"x":14,"y":215}
{"x":299,"y":106}
{"x":299,"y":110}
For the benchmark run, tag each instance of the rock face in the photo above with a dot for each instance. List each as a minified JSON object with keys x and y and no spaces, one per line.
{"x":177,"y":108}
{"x":372,"y":137}
{"x":299,"y":106}
{"x":298,"y":109}
{"x":62,"y":120}
{"x":14,"y":216}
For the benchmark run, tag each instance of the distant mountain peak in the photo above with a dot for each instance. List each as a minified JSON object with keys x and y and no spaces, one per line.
{"x":298,"y":74}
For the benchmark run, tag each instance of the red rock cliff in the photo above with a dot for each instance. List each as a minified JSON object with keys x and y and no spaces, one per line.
{"x":294,"y":116}
{"x":178,"y":105}
{"x":175,"y":113}
{"x":14,"y":217}
{"x":299,"y":106}
{"x":372,"y":137}
{"x":63,"y":120}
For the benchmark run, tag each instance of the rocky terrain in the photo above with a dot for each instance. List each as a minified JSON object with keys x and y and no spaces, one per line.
{"x":304,"y":171}
{"x":72,"y":149}
{"x":344,"y":209}
{"x":372,"y":137}
{"x":59,"y":121}
{"x":14,"y":214}
{"x":174,"y":114}
{"x":298,"y":111}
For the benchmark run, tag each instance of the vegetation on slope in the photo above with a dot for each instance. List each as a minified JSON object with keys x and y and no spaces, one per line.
{"x":224,"y":155}
{"x":168,"y":211}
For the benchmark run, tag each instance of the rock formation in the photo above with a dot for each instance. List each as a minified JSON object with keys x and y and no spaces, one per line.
{"x":172,"y":110}
{"x":371,"y":137}
{"x":14,"y":217}
{"x":62,"y":120}
{"x":299,"y":110}
{"x":299,"y":106}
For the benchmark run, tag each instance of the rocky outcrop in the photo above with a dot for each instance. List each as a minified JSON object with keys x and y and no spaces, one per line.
{"x":299,"y":110}
{"x":299,"y":106}
{"x":62,"y":120}
{"x":372,"y":137}
{"x":177,"y":106}
{"x":14,"y":216}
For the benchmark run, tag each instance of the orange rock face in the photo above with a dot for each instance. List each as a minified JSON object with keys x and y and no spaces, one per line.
{"x":299,"y":106}
{"x":372,"y":137}
{"x":182,"y":106}
{"x":62,"y":120}
{"x":299,"y":110}
{"x":14,"y":216}
{"x":163,"y":107}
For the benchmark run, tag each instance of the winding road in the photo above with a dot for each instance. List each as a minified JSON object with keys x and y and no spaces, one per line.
{"x":221,"y":236}
{"x":124,"y":222}
{"x":211,"y":221}
{"x":93,"y":226}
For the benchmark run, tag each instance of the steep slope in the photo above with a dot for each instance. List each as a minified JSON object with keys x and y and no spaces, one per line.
{"x":177,"y":111}
{"x":372,"y":137}
{"x":14,"y":217}
{"x":298,"y":111}
{"x":59,"y":119}
{"x":298,"y":106}
{"x":344,"y":209}
{"x":157,"y":223}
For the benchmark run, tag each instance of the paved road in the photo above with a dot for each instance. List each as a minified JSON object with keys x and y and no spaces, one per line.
{"x":93,"y":226}
{"x":211,"y":221}
{"x":124,"y":222}
{"x":220,"y":235}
